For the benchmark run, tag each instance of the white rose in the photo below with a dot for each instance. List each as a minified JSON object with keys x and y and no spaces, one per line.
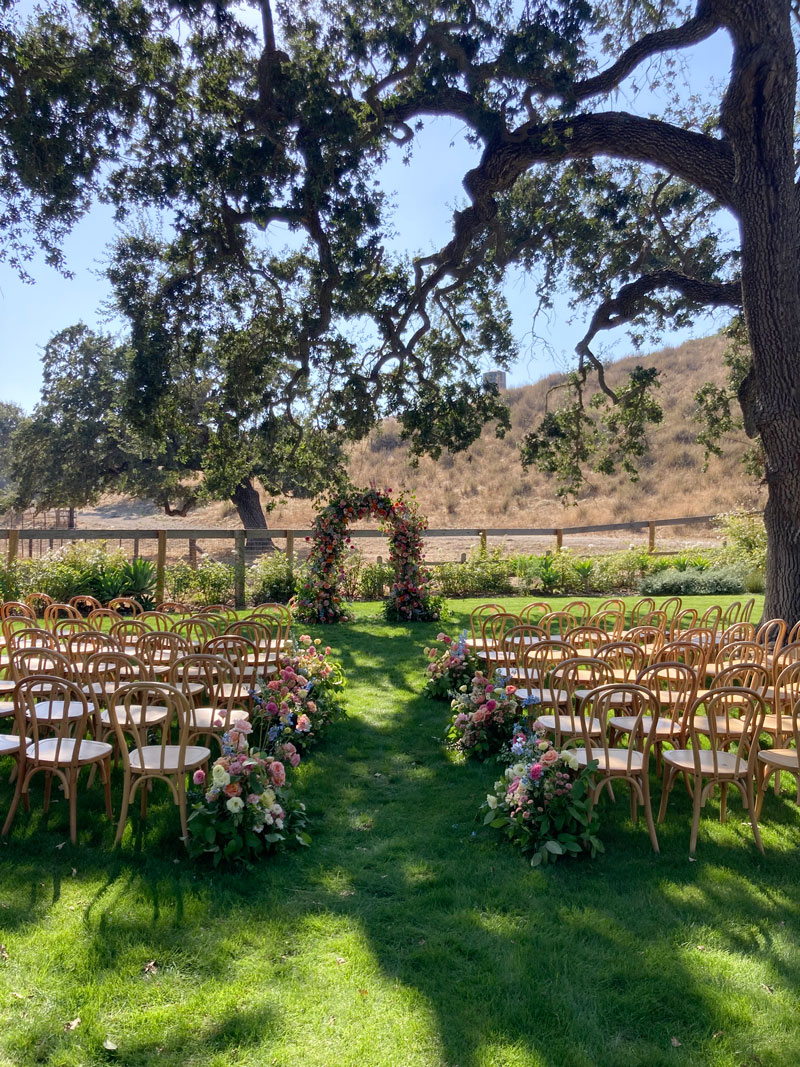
{"x":491,"y":800}
{"x":235,"y":805}
{"x":267,"y":798}
{"x":219,"y":776}
{"x":570,"y":759}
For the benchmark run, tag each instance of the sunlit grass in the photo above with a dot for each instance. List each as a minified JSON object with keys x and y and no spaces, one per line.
{"x":407,"y":935}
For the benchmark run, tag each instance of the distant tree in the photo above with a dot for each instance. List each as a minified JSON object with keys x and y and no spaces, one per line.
{"x":11,"y":416}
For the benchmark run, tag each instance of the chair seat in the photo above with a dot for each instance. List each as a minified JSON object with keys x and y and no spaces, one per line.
{"x":205,"y":718}
{"x":7,"y":685}
{"x":666,"y":729}
{"x":55,"y":712}
{"x":568,"y":724}
{"x":617,"y":700}
{"x":729,"y":764}
{"x":132,"y":716}
{"x":87,"y":751}
{"x":6,"y":708}
{"x":784,"y":758}
{"x":731,"y":728}
{"x":10,"y":743}
{"x":239,"y":690}
{"x":618,"y":762}
{"x":154,"y":758}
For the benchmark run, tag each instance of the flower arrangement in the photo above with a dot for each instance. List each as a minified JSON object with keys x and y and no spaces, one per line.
{"x":295,"y":708}
{"x":244,"y":812}
{"x":319,"y":599}
{"x":483,"y":717}
{"x":450,"y":667}
{"x":542,"y":801}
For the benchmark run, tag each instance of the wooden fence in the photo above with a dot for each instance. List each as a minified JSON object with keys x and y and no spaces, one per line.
{"x":15,"y":537}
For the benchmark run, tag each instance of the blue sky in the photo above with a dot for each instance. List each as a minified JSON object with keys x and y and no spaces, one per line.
{"x":425,"y":192}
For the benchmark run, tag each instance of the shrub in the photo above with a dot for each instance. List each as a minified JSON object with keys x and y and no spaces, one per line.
{"x":211,"y":583}
{"x":375,"y":580}
{"x":482,"y":573}
{"x":271,"y":579}
{"x":10,"y":581}
{"x":620,"y":571}
{"x":714,"y":581}
{"x":745,"y":538}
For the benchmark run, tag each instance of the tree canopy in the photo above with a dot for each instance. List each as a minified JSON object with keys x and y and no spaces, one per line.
{"x":253,"y":135}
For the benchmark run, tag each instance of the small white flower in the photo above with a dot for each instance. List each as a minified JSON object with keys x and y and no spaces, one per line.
{"x":235,"y":805}
{"x":491,"y":800}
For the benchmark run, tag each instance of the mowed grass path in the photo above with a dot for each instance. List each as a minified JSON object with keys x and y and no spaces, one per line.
{"x":407,"y":935}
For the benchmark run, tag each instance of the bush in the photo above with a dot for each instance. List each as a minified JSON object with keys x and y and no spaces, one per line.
{"x":376,"y":578}
{"x":80,"y":568}
{"x":713,"y":581}
{"x":481,"y":574}
{"x":210,"y":583}
{"x":745,"y":539}
{"x":271,"y":580}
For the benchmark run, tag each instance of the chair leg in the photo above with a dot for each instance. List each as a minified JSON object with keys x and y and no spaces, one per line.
{"x":123,"y":815}
{"x":763,"y":777}
{"x":48,"y":782}
{"x":697,"y":803}
{"x":669,"y":778}
{"x":105,"y":774}
{"x":751,"y":811}
{"x":723,"y":802}
{"x":72,"y":786}
{"x":14,"y":803}
{"x":182,"y":810}
{"x":648,"y":814}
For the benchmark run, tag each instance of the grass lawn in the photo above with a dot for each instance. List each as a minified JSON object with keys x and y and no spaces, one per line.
{"x":407,"y":935}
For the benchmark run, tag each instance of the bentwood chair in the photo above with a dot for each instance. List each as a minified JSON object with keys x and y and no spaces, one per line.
{"x":64,"y":751}
{"x":160,"y":760}
{"x":784,"y":757}
{"x":707,"y":757}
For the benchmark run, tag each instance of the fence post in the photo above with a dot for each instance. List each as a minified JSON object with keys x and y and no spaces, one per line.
{"x":135,"y":548}
{"x":290,"y":549}
{"x":161,"y":565}
{"x":559,"y":539}
{"x":13,"y":545}
{"x":193,"y":553}
{"x":651,"y":537}
{"x":238,"y":568}
{"x":482,"y":534}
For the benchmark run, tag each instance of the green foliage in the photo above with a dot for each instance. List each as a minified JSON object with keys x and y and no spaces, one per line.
{"x":710,"y":581}
{"x":483,"y":572}
{"x":11,"y":581}
{"x":745,"y":538}
{"x":375,"y":580}
{"x":271,"y":579}
{"x":212,"y":582}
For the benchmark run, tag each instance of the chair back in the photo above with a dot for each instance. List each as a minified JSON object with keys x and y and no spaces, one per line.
{"x":683,"y":619}
{"x":588,"y":637}
{"x":477,"y":618}
{"x":670,"y":606}
{"x":85,"y":603}
{"x":601,"y":704}
{"x":683,"y":652}
{"x":510,"y":656}
{"x":650,"y":638}
{"x":62,"y":628}
{"x":158,"y":648}
{"x":129,"y":704}
{"x":268,"y":641}
{"x":173,"y":607}
{"x":197,"y":630}
{"x":540,"y":660}
{"x":771,"y":634}
{"x":155,"y":620}
{"x":128,"y":631}
{"x":611,"y":620}
{"x":52,"y":694}
{"x":731,"y":615}
{"x":580,"y":610}
{"x":80,"y":647}
{"x":786,"y":695}
{"x":558,"y":623}
{"x":644,"y":606}
{"x":613,"y":603}
{"x":626,"y":659}
{"x":219,"y":678}
{"x":106,"y":670}
{"x":125,"y":605}
{"x":711,"y":618}
{"x":747,"y":610}
{"x":101,"y":617}
{"x":537,"y":608}
{"x":789,"y":653}
{"x":35,"y":601}
{"x":24,"y":662}
{"x":236,"y":649}
{"x":30,"y":637}
{"x":674,"y":685}
{"x":750,"y":675}
{"x":580,"y":673}
{"x":737,"y":631}
{"x":718,"y":708}
{"x":55,"y":611}
{"x":16,"y":609}
{"x":220,"y":611}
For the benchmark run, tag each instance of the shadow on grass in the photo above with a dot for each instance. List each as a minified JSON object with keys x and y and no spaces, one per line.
{"x":602,"y":962}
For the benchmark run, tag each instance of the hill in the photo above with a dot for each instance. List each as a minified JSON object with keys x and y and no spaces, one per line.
{"x":486,"y":486}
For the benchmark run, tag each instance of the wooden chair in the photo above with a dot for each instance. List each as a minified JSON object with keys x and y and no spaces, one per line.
{"x":716,"y":765}
{"x":218,"y":709}
{"x":493,"y":630}
{"x":737,"y":631}
{"x":684,"y":619}
{"x":537,"y":608}
{"x":631,"y":764}
{"x":477,"y":617}
{"x":611,"y":621}
{"x":160,"y":762}
{"x":241,"y":653}
{"x":128,"y":632}
{"x":580,"y":610}
{"x":221,"y":611}
{"x":80,"y":647}
{"x":557,"y":623}
{"x":55,"y":611}
{"x":158,"y":649}
{"x":673,"y":687}
{"x":155,"y":620}
{"x":748,"y":675}
{"x":510,"y":656}
{"x":771,"y":634}
{"x":644,"y":606}
{"x":731,"y":615}
{"x":65,"y":753}
{"x":101,"y":618}
{"x":63,"y":628}
{"x":37,"y":601}
{"x":780,"y":758}
{"x":16,"y":609}
{"x":747,"y":610}
{"x":173,"y":607}
{"x":588,"y":638}
{"x":196,"y":630}
{"x":711,"y":618}
{"x":125,"y":604}
{"x":535,"y":667}
{"x":625,"y":658}
{"x":650,"y":639}
{"x":573,"y":678}
{"x":268,"y":641}
{"x":29,"y":637}
{"x":85,"y":603}
{"x":670,"y":606}
{"x":613,"y":603}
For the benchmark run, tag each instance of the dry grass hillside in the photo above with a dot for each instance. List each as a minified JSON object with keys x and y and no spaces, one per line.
{"x":487,"y":486}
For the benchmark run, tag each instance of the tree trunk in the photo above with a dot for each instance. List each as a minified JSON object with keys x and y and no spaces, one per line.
{"x":248,"y":503}
{"x":758,"y":117}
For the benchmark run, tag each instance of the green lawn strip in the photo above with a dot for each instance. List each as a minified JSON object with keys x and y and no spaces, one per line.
{"x":407,"y":934}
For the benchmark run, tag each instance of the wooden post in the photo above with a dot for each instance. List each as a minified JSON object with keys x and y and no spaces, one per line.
{"x":483,"y":541}
{"x":13,"y":545}
{"x":559,"y":539}
{"x":290,"y":549}
{"x":651,"y":537}
{"x":238,"y":569}
{"x":30,"y":548}
{"x":193,"y":553}
{"x":50,"y":542}
{"x":135,"y":548}
{"x":463,"y":557}
{"x":161,"y":565}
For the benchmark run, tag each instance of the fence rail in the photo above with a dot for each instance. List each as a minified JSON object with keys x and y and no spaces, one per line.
{"x":240,"y":537}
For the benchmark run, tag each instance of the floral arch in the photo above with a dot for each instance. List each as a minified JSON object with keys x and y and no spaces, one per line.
{"x":409,"y":599}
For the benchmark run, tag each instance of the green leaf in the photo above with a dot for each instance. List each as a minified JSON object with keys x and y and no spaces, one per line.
{"x":554,"y":847}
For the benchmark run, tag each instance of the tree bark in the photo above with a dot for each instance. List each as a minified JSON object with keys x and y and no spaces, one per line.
{"x":248,"y":503}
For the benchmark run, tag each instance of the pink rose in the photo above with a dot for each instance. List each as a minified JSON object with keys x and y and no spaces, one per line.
{"x":243,"y":726}
{"x":199,"y":776}
{"x":535,"y":771}
{"x":549,"y":757}
{"x":511,"y":689}
{"x":232,"y":789}
{"x":303,"y":724}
